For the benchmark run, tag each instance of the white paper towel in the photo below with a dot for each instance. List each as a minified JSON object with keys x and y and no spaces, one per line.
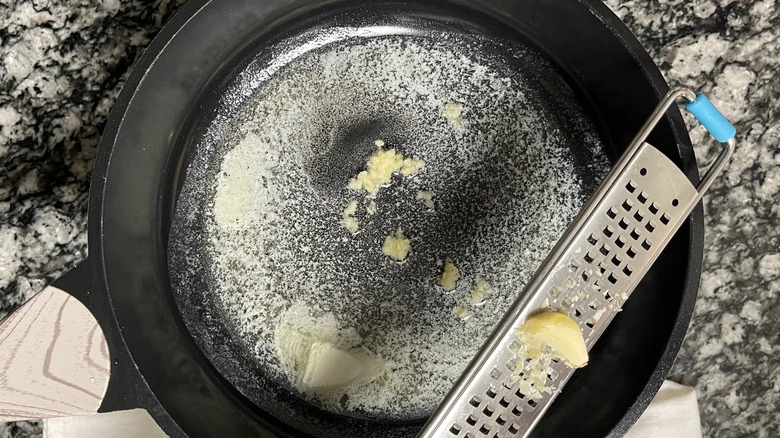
{"x":136,"y":423}
{"x":673,"y":413}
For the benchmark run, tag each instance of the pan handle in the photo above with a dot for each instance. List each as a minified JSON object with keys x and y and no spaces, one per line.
{"x":54,"y":359}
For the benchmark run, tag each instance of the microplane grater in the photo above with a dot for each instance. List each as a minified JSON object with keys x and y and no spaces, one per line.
{"x":589,"y":274}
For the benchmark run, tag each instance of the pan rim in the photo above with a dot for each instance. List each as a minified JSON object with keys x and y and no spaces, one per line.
{"x":101,"y":174}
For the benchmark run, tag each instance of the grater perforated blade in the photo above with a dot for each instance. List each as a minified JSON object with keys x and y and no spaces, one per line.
{"x":590,"y":273}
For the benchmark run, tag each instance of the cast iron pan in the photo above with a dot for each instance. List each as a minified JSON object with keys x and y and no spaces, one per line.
{"x":192,"y":375}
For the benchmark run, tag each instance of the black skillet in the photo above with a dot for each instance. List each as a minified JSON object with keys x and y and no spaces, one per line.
{"x":156,"y":361}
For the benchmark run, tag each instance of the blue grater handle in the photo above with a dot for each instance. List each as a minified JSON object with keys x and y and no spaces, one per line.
{"x":709,"y":116}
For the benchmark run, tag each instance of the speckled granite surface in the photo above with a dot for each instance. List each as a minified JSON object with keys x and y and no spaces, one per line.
{"x":730,"y":50}
{"x":62,"y":65}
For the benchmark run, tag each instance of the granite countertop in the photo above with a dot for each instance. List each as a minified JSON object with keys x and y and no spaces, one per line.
{"x":62,"y":65}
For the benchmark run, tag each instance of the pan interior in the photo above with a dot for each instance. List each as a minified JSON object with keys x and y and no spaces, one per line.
{"x":264,"y":272}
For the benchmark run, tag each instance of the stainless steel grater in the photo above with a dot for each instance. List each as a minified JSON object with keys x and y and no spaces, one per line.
{"x":590,"y":273}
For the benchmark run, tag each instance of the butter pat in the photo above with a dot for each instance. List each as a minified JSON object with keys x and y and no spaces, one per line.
{"x":450,"y":275}
{"x":328,"y":367}
{"x":558,"y":332}
{"x":396,"y":246}
{"x":320,"y":357}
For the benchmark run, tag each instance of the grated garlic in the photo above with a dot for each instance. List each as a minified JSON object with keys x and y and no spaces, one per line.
{"x":396,"y":246}
{"x":348,"y":220}
{"x":480,"y":292}
{"x":380,"y":168}
{"x":450,"y":275}
{"x":452,"y":112}
{"x":427,"y":198}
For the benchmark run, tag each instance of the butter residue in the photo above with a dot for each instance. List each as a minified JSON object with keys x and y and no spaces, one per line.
{"x":450,"y":275}
{"x":427,"y":198}
{"x":396,"y":246}
{"x":240,"y":193}
{"x":348,"y":220}
{"x":380,"y":168}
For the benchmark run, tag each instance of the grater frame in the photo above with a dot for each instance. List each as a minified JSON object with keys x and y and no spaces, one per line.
{"x":589,"y":274}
